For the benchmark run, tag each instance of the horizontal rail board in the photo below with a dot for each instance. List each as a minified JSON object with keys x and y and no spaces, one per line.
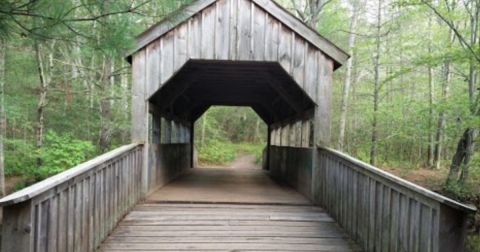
{"x":51,"y":182}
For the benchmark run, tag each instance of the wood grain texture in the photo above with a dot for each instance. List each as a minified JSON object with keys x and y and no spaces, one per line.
{"x":223,"y":227}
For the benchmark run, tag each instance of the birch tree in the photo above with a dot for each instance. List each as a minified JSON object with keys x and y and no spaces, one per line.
{"x":355,"y":9}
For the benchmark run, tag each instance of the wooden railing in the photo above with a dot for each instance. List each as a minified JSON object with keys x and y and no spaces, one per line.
{"x":76,"y":209}
{"x":383,"y":212}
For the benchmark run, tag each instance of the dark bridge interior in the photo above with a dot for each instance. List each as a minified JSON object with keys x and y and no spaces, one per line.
{"x":264,"y":86}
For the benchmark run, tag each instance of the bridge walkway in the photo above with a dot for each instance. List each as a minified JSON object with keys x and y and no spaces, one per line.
{"x":214,"y":209}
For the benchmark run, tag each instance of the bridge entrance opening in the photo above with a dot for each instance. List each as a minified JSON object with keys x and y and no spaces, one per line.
{"x":230,"y":137}
{"x":213,"y":112}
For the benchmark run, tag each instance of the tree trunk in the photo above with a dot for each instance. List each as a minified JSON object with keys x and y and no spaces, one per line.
{"x":42,"y":102}
{"x":256,"y":138}
{"x":373,"y":150}
{"x":105,"y":106}
{"x":466,"y":145}
{"x":3,"y":118}
{"x":347,"y":80}
{"x":439,"y":137}
{"x":462,"y":157}
{"x":431,"y":91}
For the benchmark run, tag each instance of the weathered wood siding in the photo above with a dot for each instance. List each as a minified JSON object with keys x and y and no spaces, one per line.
{"x":292,"y":165}
{"x":167,"y":162}
{"x":222,"y":32}
{"x":76,"y":209}
{"x":168,"y":149}
{"x":384,"y":213}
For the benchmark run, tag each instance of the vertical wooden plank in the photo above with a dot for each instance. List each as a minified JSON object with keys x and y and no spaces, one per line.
{"x":208,"y":33}
{"x":222,"y":30}
{"x":234,"y":30}
{"x":415,"y":208}
{"x":17,"y":221}
{"x":168,"y":131}
{"x":311,"y":73}
{"x":167,"y":56}
{"x":305,"y":133}
{"x":259,"y":29}
{"x":152,"y":68}
{"x":180,"y":46}
{"x":404,"y":223}
{"x":394,"y":220}
{"x":386,"y":218}
{"x":378,"y":214}
{"x":348,"y":197}
{"x":293,"y":135}
{"x":139,"y":129}
{"x":85,"y":213}
{"x":355,"y":205}
{"x":435,"y":229}
{"x":372,"y":214}
{"x":425,"y":242}
{"x":98,"y":204}
{"x":195,"y":36}
{"x":285,"y":48}
{"x":324,"y":102}
{"x":78,"y":205}
{"x":104,"y":203}
{"x":244,"y":28}
{"x":71,"y":218}
{"x":299,"y":61}
{"x":62,"y":220}
{"x":53,"y":217}
{"x":271,"y":38}
{"x":92,"y":212}
{"x":42,"y":222}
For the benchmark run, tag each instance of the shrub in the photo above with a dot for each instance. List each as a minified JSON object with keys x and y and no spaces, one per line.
{"x":19,"y":157}
{"x":215,"y":151}
{"x":62,"y":152}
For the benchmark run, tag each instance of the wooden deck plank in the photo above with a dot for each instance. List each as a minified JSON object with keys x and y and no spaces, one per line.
{"x":227,"y":227}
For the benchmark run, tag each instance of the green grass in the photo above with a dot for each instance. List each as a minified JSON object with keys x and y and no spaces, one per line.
{"x":222,"y":152}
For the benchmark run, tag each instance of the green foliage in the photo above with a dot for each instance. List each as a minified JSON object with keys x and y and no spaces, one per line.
{"x":18,"y":156}
{"x":473,"y":243}
{"x":216,"y":152}
{"x":229,"y":132}
{"x":19,"y":185}
{"x":221,"y":152}
{"x":62,"y":152}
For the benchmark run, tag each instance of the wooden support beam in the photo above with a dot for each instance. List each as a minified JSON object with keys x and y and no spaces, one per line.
{"x":305,"y":133}
{"x":168,"y":131}
{"x":286,"y":97}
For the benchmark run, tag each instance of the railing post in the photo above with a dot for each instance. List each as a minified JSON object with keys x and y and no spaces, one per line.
{"x":17,"y":229}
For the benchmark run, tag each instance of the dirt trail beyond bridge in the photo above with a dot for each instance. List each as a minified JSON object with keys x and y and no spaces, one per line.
{"x":244,"y":161}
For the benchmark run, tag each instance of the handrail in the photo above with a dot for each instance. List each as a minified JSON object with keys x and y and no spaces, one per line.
{"x":402,"y":182}
{"x":49,"y":183}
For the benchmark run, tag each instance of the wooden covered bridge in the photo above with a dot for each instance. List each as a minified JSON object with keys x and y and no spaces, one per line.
{"x":145,"y":196}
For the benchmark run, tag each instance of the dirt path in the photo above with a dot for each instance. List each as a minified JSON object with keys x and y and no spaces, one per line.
{"x":244,"y":161}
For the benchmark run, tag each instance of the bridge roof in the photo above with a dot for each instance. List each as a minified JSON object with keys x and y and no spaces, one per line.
{"x":180,"y":16}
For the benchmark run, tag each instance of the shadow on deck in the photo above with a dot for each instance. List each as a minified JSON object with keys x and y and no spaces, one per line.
{"x":227,"y":210}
